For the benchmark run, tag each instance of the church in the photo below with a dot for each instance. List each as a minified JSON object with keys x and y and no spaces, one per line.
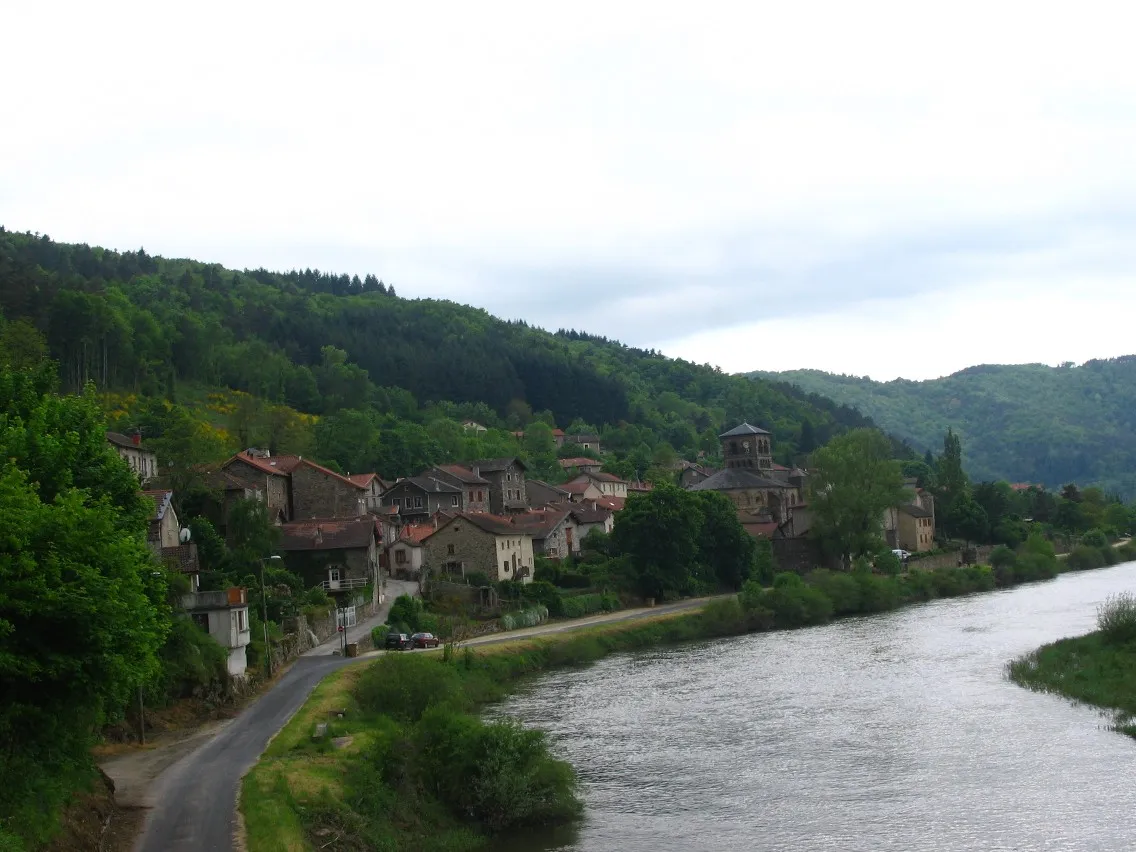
{"x":751,"y":479}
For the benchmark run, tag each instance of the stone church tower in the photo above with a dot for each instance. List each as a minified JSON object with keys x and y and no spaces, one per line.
{"x":747,"y":447}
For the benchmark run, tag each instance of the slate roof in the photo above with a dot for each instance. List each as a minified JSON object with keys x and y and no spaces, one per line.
{"x":540,"y":523}
{"x":328,"y":534}
{"x":493,"y":524}
{"x":591,"y":516}
{"x":541,"y":493}
{"x":162,"y":502}
{"x":734,"y":478}
{"x":744,"y":429}
{"x":494,"y":465}
{"x":463,"y":474}
{"x":914,"y":511}
{"x":430,"y":485}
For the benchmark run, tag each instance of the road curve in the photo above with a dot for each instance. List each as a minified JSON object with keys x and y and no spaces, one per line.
{"x":195,"y":800}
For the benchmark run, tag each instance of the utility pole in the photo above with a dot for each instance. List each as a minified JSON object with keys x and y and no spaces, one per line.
{"x":264,"y":621}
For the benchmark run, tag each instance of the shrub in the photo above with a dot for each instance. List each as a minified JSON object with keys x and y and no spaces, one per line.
{"x":577,"y":606}
{"x":917,"y":585}
{"x":1116,"y":618}
{"x":1128,"y":550}
{"x":752,"y":596}
{"x":1031,"y":567}
{"x":406,"y":611}
{"x":725,"y":617}
{"x":1039,"y":545}
{"x":1094,"y":538}
{"x":840,"y":588}
{"x":1084,"y":558}
{"x":406,"y":686}
{"x":877,"y":594}
{"x":499,"y":774}
{"x":479,"y":579}
{"x":786,"y":579}
{"x":529,"y":617}
{"x":797,"y":605}
{"x":379,"y":634}
{"x":888,"y":563}
{"x":1002,"y":557}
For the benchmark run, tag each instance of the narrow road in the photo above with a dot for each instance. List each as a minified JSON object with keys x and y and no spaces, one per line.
{"x":194,"y":800}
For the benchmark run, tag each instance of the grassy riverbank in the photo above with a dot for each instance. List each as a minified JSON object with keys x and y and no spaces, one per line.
{"x":410,"y":767}
{"x":1097,"y":669}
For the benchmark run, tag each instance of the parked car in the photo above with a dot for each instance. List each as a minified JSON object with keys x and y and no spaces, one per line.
{"x":902,"y":554}
{"x":424,"y":640}
{"x":398,"y":642}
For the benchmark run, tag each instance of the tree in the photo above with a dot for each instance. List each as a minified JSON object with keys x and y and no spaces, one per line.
{"x":724,"y":545}
{"x":853,"y":482}
{"x":967,"y":519}
{"x":659,"y":533}
{"x":952,"y":479}
{"x":82,"y":604}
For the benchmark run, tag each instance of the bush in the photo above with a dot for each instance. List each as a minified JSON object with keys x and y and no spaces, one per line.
{"x":917,"y":585}
{"x":1084,"y":558}
{"x":889,"y":564}
{"x":529,"y":617}
{"x":499,"y":774}
{"x":479,"y":579}
{"x":405,"y":686}
{"x":1116,"y":619}
{"x":1031,"y":567}
{"x":840,"y":588}
{"x":877,"y":594}
{"x":1127,"y":551}
{"x":379,"y":634}
{"x":577,"y":606}
{"x":406,"y":612}
{"x":1095,"y":538}
{"x":1002,"y":557}
{"x":797,"y":605}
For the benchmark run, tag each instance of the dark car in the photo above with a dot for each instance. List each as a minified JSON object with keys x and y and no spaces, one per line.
{"x":398,"y":642}
{"x":424,"y":640}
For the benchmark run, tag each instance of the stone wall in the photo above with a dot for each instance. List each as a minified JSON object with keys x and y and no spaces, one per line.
{"x":801,"y":555}
{"x":474,"y":547}
{"x":297,"y":639}
{"x":316,"y":494}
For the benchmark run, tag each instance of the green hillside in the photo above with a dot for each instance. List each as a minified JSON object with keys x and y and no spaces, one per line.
{"x":1026,"y":423}
{"x":389,"y":378}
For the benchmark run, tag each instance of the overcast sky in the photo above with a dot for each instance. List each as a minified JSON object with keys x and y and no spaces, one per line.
{"x":884,"y":189}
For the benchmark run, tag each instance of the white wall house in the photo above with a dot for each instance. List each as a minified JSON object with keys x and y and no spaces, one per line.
{"x":224,"y":616}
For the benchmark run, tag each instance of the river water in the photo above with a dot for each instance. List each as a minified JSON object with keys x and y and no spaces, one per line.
{"x":893,"y":732}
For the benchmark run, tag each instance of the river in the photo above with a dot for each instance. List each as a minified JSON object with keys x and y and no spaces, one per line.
{"x":893,"y":732}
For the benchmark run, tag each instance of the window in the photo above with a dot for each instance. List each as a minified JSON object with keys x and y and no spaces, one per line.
{"x":201,"y":619}
{"x":450,"y":549}
{"x":397,"y":502}
{"x":242,"y":620}
{"x":400,"y":557}
{"x":509,"y":477}
{"x":417,"y":502}
{"x":480,"y":496}
{"x":505,"y":567}
{"x":333,"y":575}
{"x":454,"y":501}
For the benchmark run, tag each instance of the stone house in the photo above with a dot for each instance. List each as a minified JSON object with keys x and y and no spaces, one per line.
{"x":226,"y":489}
{"x":472,"y":542}
{"x":584,"y":442}
{"x":475,"y":497}
{"x":164,"y":538}
{"x":691,"y":473}
{"x":224,"y":615}
{"x":553,"y":531}
{"x":580,"y":465}
{"x":581,"y":489}
{"x":588,"y":519}
{"x":143,"y":461}
{"x":752,"y":492}
{"x":318,"y":492}
{"x":340,"y":555}
{"x":911,"y":525}
{"x":607,"y":484}
{"x":506,"y":477}
{"x":418,"y":497}
{"x":258,"y":470}
{"x":373,"y":487}
{"x":542,"y":494}
{"x":406,"y":554}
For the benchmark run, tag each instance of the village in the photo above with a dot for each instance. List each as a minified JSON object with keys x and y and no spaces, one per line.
{"x":486,"y":519}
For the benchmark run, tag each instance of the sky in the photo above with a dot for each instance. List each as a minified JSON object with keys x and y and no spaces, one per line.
{"x":883,"y":189}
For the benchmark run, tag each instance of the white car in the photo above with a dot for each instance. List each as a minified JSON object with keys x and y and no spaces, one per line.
{"x":902,"y":554}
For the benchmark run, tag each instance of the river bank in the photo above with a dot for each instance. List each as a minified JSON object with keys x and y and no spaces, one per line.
{"x":1098,"y":669}
{"x":301,"y":794}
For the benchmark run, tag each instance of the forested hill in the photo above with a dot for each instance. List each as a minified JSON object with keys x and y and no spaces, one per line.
{"x":1026,"y":423}
{"x":321,"y":343}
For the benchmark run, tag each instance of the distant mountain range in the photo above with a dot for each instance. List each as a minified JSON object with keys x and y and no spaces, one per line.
{"x":1025,"y":423}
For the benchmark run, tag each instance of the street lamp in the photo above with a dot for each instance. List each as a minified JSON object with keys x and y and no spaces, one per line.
{"x":264,"y":606}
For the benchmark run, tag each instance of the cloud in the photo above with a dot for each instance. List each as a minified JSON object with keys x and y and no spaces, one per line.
{"x":649,"y":172}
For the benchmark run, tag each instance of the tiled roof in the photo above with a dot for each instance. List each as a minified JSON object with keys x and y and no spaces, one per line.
{"x":735,"y":478}
{"x":463,"y":474}
{"x":761,"y":529}
{"x":582,"y":439}
{"x":486,"y":522}
{"x":576,"y":486}
{"x":579,"y":461}
{"x":363,"y":479}
{"x":539,"y":523}
{"x":264,"y":465}
{"x":591,"y":516}
{"x":615,"y":504}
{"x":225,"y":481}
{"x":430,"y":484}
{"x":744,"y":429}
{"x":328,"y":534}
{"x":416,"y":533}
{"x":120,"y":440}
{"x":326,"y":471}
{"x":601,"y":476}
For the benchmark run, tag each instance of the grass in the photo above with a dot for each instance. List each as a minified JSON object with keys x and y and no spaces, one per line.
{"x":1097,"y":669}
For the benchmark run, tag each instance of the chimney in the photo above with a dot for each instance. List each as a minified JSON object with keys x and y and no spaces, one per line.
{"x":136,"y":438}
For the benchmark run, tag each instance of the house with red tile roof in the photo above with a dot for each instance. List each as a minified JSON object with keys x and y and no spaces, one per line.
{"x":581,"y":464}
{"x":607,"y":484}
{"x":480,"y":542}
{"x":259,"y":471}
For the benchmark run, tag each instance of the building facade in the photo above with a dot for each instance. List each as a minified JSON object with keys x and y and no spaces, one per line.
{"x":506,"y":477}
{"x":143,"y":461}
{"x":483,"y":543}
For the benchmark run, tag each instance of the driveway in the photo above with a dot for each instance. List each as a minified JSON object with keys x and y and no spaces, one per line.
{"x":194,"y":800}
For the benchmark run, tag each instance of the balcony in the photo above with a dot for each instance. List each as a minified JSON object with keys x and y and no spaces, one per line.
{"x":226,"y":599}
{"x":344,"y":585}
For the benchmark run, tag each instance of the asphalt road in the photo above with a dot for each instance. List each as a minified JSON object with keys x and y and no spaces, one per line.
{"x":195,"y":799}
